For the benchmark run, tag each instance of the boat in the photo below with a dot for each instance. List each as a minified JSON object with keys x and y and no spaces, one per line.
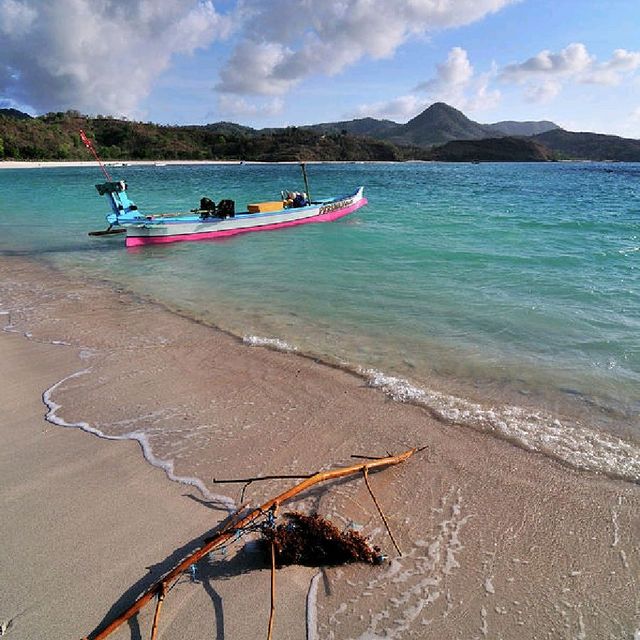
{"x":211,"y":220}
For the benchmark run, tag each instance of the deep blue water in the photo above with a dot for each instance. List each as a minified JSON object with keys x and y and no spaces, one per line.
{"x":497,"y":282}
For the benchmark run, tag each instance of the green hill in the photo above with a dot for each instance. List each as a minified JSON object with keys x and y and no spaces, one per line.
{"x":56,"y":137}
{"x":15,"y":114}
{"x":438,"y":124}
{"x":528,"y":128}
{"x":591,"y":146}
{"x":505,"y":149}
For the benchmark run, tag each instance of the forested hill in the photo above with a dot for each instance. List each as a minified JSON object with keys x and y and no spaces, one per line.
{"x":56,"y":137}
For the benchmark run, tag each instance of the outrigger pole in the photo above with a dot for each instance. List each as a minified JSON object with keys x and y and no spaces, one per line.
{"x":87,"y":143}
{"x":160,"y":588}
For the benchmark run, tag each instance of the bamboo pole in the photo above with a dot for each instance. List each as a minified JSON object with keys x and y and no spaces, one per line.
{"x":272,"y":611}
{"x":306,"y":181}
{"x":229,"y":531}
{"x":156,"y":616}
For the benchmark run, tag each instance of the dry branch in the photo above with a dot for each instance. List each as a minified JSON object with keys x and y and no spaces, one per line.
{"x":229,"y":531}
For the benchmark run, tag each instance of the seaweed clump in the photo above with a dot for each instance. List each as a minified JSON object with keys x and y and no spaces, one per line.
{"x":313,"y":541}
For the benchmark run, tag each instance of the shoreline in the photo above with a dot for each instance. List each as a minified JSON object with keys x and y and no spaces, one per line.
{"x":56,"y":164}
{"x":86,"y":523}
{"x":564,"y":435}
{"x":509,"y":537}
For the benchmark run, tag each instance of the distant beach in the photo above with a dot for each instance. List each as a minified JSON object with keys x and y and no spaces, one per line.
{"x":35,"y":164}
{"x":44,"y":164}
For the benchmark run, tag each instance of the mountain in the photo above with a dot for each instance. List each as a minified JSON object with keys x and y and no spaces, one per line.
{"x":227,"y":128}
{"x":528,"y":128}
{"x":14,"y":113}
{"x":54,"y":136}
{"x":504,"y":149}
{"x":360,"y":127}
{"x":438,"y":124}
{"x":591,"y":146}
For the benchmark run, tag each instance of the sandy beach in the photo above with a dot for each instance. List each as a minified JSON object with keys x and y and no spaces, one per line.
{"x":35,"y":164}
{"x":497,"y":542}
{"x":52,"y":164}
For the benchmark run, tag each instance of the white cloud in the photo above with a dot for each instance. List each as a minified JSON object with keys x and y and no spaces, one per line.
{"x":400,"y":109}
{"x":455,"y":83}
{"x":325,"y":37}
{"x":236,"y":107}
{"x":571,"y":60}
{"x":15,"y":18}
{"x":545,"y":74}
{"x":258,"y":64}
{"x":452,"y":75}
{"x":544,"y":92}
{"x":613,"y":71}
{"x":482,"y":97}
{"x":624,"y":60}
{"x":96,"y":55}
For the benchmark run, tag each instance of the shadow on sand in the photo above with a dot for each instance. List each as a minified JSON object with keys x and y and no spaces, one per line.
{"x":206,"y":572}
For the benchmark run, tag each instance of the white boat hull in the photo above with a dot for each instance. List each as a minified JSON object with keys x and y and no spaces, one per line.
{"x":161,"y":231}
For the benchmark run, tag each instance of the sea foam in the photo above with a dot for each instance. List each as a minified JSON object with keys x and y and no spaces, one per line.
{"x":579,"y":446}
{"x":166,"y":465}
{"x":272,"y":343}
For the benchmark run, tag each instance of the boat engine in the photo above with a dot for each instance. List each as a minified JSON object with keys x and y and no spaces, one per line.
{"x":226,"y":208}
{"x":207,"y":207}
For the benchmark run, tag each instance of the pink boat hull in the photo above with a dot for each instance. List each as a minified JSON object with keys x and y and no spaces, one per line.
{"x":140,"y":240}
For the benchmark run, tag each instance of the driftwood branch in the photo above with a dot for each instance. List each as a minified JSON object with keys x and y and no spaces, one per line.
{"x":257,"y":478}
{"x":273,"y":591}
{"x":365,"y":472}
{"x":229,"y":531}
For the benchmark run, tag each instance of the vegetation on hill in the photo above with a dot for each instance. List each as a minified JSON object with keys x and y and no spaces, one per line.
{"x":591,"y":146}
{"x":438,"y":124}
{"x":435,"y":125}
{"x":493,"y":150}
{"x":55,"y":137}
{"x":370,"y":127}
{"x":528,"y":128}
{"x":14,"y":113}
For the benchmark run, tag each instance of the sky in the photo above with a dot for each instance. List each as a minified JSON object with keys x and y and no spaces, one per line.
{"x":265,"y":63}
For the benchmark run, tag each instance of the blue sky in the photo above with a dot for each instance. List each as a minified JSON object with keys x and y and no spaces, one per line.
{"x":289,"y":62}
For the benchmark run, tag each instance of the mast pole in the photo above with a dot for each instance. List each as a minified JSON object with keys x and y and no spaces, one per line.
{"x":87,"y":143}
{"x":303,"y":166}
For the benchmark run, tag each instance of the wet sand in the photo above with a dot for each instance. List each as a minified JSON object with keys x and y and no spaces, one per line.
{"x":497,"y":542}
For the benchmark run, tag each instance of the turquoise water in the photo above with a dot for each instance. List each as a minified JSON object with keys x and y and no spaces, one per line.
{"x":509,"y":284}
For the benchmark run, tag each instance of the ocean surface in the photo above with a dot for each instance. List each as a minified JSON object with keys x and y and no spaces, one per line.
{"x":501,"y":296}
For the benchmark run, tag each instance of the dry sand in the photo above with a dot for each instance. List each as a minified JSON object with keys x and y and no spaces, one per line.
{"x":52,"y":164}
{"x":497,"y":542}
{"x":35,"y":164}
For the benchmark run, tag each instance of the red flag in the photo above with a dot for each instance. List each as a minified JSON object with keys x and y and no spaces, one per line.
{"x":87,"y":142}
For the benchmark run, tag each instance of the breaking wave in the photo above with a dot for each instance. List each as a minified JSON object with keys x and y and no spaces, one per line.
{"x":573,"y":444}
{"x":166,"y":465}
